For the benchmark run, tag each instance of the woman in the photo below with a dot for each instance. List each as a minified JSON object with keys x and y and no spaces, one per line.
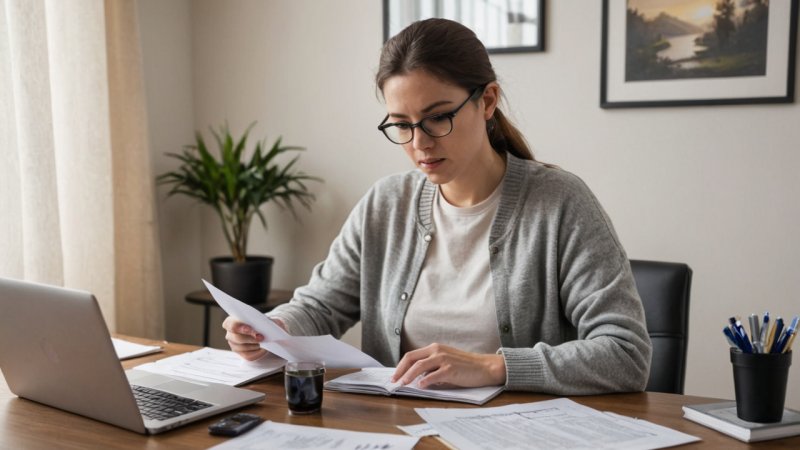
{"x":482,"y":267}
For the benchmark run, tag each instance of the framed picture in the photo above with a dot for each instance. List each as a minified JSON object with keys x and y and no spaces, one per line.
{"x":697,"y":52}
{"x":504,"y":26}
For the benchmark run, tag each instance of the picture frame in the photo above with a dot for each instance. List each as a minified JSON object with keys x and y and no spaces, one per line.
{"x":723,"y":52}
{"x":504,"y":26}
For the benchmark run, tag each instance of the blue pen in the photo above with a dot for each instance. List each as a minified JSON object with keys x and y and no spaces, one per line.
{"x":789,"y":339}
{"x":730,"y":337}
{"x":736,"y":337}
{"x":786,"y":336}
{"x":778,"y":332}
{"x":746,"y":347}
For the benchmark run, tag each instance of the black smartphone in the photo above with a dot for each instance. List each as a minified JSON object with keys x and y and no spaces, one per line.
{"x":234,"y":425}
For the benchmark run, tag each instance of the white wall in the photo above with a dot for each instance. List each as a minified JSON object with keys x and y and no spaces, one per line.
{"x":715,"y":187}
{"x":166,"y":35}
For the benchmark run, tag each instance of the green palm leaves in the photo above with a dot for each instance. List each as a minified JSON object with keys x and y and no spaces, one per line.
{"x":237,"y":187}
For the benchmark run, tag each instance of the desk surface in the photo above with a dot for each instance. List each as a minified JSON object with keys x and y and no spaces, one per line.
{"x":29,"y":425}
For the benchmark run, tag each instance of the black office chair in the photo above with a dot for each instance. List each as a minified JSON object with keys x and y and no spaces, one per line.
{"x":664,"y":288}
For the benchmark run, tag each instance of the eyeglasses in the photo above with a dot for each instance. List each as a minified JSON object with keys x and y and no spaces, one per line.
{"x":435,"y":126}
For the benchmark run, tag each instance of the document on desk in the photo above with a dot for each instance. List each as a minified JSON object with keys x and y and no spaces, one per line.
{"x":127,"y":349}
{"x":299,"y":437}
{"x":559,"y":423}
{"x":210,"y":365}
{"x":333,"y":352}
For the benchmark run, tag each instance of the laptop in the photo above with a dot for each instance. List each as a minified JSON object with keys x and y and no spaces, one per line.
{"x":55,"y":349}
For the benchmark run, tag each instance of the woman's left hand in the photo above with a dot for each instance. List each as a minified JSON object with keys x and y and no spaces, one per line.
{"x":447,"y":366}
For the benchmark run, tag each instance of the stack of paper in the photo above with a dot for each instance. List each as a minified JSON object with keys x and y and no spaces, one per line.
{"x":126,"y":349}
{"x":210,"y":365}
{"x":559,"y":423}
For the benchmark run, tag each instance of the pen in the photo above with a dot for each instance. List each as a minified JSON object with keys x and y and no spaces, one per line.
{"x":730,"y":337}
{"x":755,"y":332}
{"x":788,"y":347}
{"x":764,"y":331}
{"x":746,"y":347}
{"x":790,"y":331}
{"x":778,"y":331}
{"x":768,"y":342}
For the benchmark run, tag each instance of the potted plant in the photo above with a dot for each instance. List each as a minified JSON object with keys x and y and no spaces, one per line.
{"x":236,"y":186}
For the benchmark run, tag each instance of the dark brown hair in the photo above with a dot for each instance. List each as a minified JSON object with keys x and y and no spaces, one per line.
{"x":451,"y":52}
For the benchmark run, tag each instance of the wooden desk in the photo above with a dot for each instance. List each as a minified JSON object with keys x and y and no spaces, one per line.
{"x":276,"y":297}
{"x":29,"y":425}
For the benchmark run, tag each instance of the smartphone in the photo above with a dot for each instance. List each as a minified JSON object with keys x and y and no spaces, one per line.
{"x":234,"y":425}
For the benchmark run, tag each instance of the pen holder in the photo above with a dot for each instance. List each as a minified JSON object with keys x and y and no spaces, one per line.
{"x":759,"y":380}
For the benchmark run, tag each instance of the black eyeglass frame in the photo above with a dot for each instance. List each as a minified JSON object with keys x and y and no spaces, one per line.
{"x":450,"y":115}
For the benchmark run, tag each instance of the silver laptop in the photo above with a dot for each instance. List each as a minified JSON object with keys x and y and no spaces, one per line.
{"x":55,"y":349}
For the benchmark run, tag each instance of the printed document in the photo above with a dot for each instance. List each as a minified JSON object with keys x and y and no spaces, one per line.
{"x":299,"y":437}
{"x":559,"y":423}
{"x":127,"y":349}
{"x":210,"y":365}
{"x":333,"y":352}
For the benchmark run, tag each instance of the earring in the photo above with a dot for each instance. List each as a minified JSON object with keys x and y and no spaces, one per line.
{"x":490,"y":125}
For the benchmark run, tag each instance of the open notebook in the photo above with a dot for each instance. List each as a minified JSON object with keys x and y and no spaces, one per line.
{"x":377,"y":381}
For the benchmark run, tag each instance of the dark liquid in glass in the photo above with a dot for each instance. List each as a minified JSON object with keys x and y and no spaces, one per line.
{"x":304,"y":390}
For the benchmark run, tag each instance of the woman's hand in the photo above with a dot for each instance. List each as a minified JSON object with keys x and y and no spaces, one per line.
{"x":243,"y":339}
{"x":447,"y":366}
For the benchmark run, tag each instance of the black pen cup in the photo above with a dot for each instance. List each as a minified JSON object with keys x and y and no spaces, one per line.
{"x":759,"y":380}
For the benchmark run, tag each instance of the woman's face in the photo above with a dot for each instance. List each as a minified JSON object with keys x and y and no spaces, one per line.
{"x":457,"y":156}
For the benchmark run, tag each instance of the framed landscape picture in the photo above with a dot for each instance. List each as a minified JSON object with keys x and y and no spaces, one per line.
{"x":697,"y":52}
{"x":504,"y":26}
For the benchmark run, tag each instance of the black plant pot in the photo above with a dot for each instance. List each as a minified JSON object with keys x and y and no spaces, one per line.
{"x":247,"y":281}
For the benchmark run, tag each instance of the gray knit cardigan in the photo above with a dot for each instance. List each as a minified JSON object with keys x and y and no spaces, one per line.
{"x":570,"y":318}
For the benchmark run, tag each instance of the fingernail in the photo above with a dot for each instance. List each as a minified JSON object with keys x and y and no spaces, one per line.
{"x":247,"y":330}
{"x":260,"y":337}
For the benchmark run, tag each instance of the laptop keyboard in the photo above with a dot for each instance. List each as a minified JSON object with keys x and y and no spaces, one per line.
{"x":160,"y":405}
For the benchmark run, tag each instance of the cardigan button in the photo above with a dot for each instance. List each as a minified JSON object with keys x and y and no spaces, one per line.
{"x":397,"y":331}
{"x":404,"y":296}
{"x":506,"y":328}
{"x":428,"y":237}
{"x":495,"y":250}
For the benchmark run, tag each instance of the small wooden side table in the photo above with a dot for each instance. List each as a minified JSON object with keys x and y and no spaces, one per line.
{"x":276,"y":297}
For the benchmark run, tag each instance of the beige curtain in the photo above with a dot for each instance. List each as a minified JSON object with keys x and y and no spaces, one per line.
{"x":77,"y":186}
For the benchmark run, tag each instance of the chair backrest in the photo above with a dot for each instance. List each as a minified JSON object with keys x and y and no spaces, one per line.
{"x":664,"y":288}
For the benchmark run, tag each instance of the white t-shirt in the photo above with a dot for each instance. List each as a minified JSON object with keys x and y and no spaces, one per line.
{"x":453,"y":303}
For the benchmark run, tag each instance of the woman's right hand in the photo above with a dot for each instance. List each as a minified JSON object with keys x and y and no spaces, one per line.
{"x":243,"y":339}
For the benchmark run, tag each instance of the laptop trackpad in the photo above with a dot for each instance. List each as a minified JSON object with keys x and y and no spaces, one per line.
{"x":163,"y":383}
{"x":179,"y":387}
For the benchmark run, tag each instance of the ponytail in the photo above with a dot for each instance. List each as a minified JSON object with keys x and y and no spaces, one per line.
{"x":505,"y":137}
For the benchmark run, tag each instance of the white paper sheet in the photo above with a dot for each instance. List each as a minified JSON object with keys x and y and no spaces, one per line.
{"x":333,"y":352}
{"x":126,"y":349}
{"x":270,"y":435}
{"x":559,"y":423}
{"x":215,"y":366}
{"x":419,"y":430}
